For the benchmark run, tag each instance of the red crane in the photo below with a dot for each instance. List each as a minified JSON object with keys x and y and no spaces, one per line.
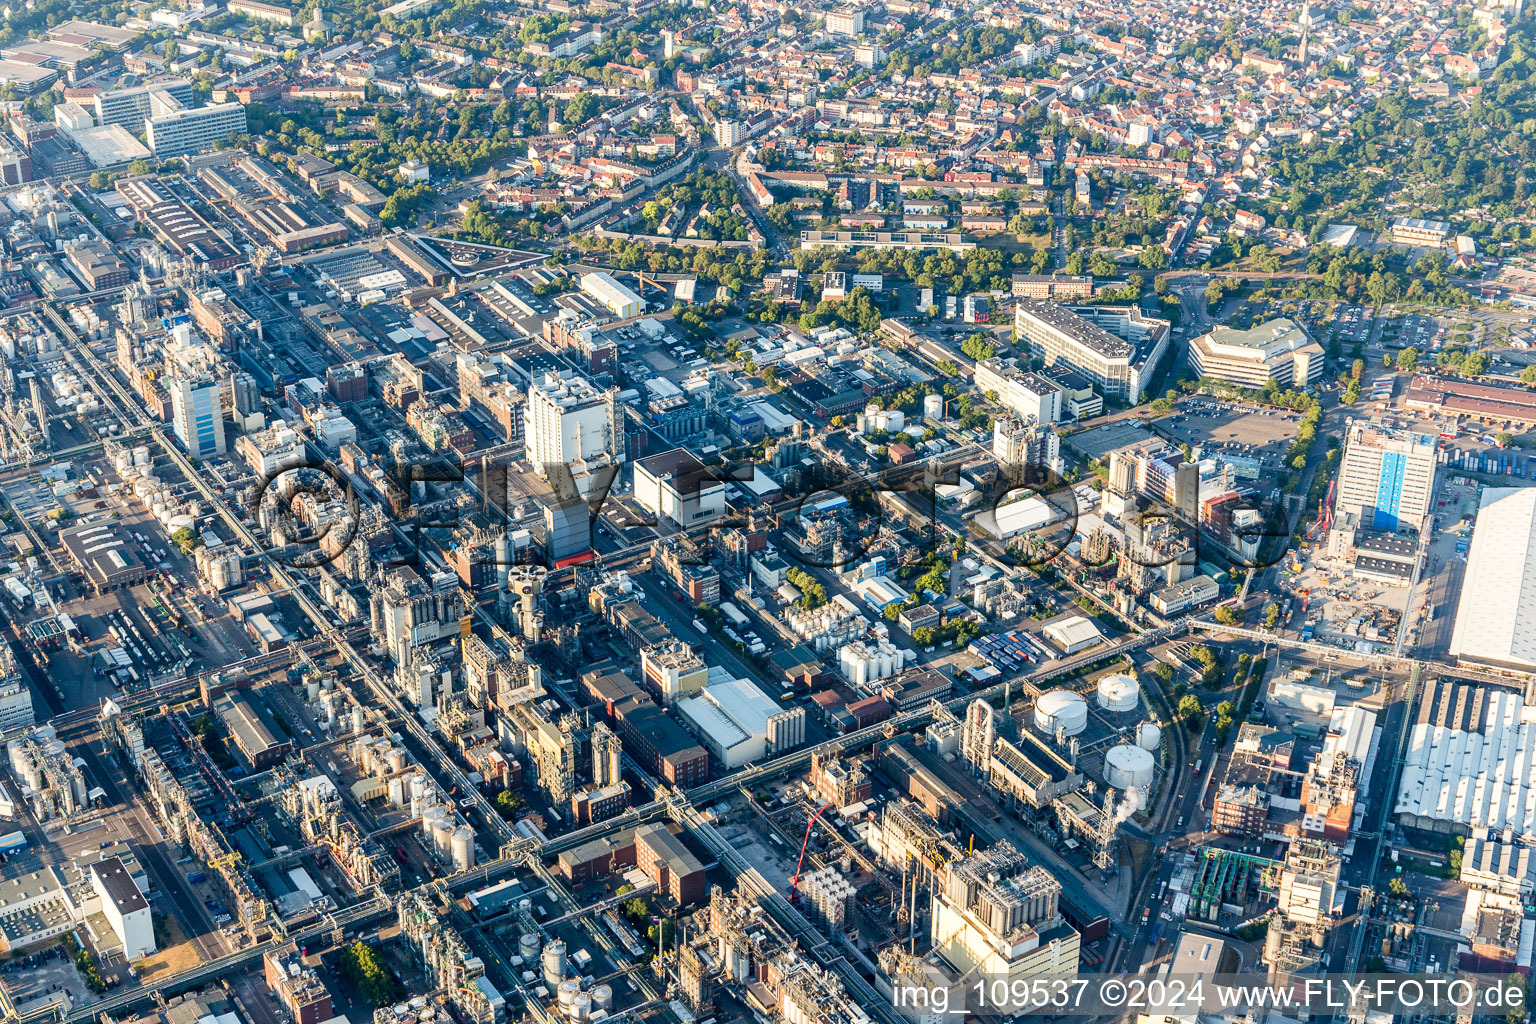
{"x":794,"y":883}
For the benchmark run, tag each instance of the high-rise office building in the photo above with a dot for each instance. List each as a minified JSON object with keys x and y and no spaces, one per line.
{"x":197,"y":411}
{"x":1115,"y":347}
{"x":1386,"y":479}
{"x":131,"y":107}
{"x":175,"y":130}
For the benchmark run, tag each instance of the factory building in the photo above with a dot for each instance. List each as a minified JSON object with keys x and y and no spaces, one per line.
{"x":997,"y":916}
{"x":739,"y":723}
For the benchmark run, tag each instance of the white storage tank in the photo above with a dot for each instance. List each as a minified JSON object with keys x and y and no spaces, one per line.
{"x":602,"y":997}
{"x":569,"y":989}
{"x":1148,"y":736}
{"x":1128,"y":767}
{"x":141,"y":455}
{"x":933,"y":406}
{"x":581,"y":1008}
{"x":554,"y":963}
{"x":397,"y":760}
{"x":1118,"y":693}
{"x":396,"y":792}
{"x":1061,"y":708}
{"x":528,"y":945}
{"x":463,"y":848}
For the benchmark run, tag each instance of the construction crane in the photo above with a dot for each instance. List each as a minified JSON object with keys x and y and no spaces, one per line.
{"x":794,"y":883}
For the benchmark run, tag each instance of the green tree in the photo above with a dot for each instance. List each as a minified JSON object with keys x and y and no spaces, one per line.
{"x":369,"y":975}
{"x":1191,"y":711}
{"x":186,"y":539}
{"x":1225,"y":711}
{"x":1228,"y":615}
{"x":1408,"y":359}
{"x":1271,"y":616}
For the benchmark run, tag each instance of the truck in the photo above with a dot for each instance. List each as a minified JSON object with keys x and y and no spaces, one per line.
{"x":698,"y":624}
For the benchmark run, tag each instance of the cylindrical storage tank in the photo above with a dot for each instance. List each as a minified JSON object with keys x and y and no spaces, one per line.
{"x":312,"y":689}
{"x":181,"y":522}
{"x":602,"y":997}
{"x":418,"y":786}
{"x":933,"y":406}
{"x":442,"y":833}
{"x":581,"y":1008}
{"x":1061,"y":708}
{"x":141,"y":455}
{"x":554,"y":963}
{"x":426,"y":821}
{"x":463,"y":848}
{"x":357,"y":720}
{"x":885,"y":665}
{"x":1118,"y":693}
{"x":396,"y":792}
{"x":1148,"y":736}
{"x":528,"y":945}
{"x":569,"y":989}
{"x":397,"y":760}
{"x":1128,"y":767}
{"x":418,"y":1002}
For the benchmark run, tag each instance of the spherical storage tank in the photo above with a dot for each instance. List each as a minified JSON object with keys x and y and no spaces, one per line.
{"x":1118,"y":693}
{"x":1064,"y":709}
{"x":1148,"y":736}
{"x":1128,"y":767}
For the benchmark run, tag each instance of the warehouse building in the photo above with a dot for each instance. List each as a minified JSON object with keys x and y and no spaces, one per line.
{"x":619,"y":300}
{"x":252,"y":736}
{"x":1470,"y":762}
{"x":105,"y":555}
{"x":1496,"y":616}
{"x":738,"y":723}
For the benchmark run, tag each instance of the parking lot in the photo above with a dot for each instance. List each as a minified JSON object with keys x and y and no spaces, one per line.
{"x":1234,"y":428}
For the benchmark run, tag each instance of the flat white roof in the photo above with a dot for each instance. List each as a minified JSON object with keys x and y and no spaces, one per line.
{"x":1496,"y":617}
{"x":1073,"y":631}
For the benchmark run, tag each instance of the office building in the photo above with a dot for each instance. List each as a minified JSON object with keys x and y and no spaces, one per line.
{"x":570,"y":425}
{"x":1116,"y":348}
{"x":124,"y":907}
{"x":1030,"y":395}
{"x":1386,"y":479}
{"x":130,"y":108}
{"x":192,"y":130}
{"x":1276,"y":350}
{"x":198,"y":415}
